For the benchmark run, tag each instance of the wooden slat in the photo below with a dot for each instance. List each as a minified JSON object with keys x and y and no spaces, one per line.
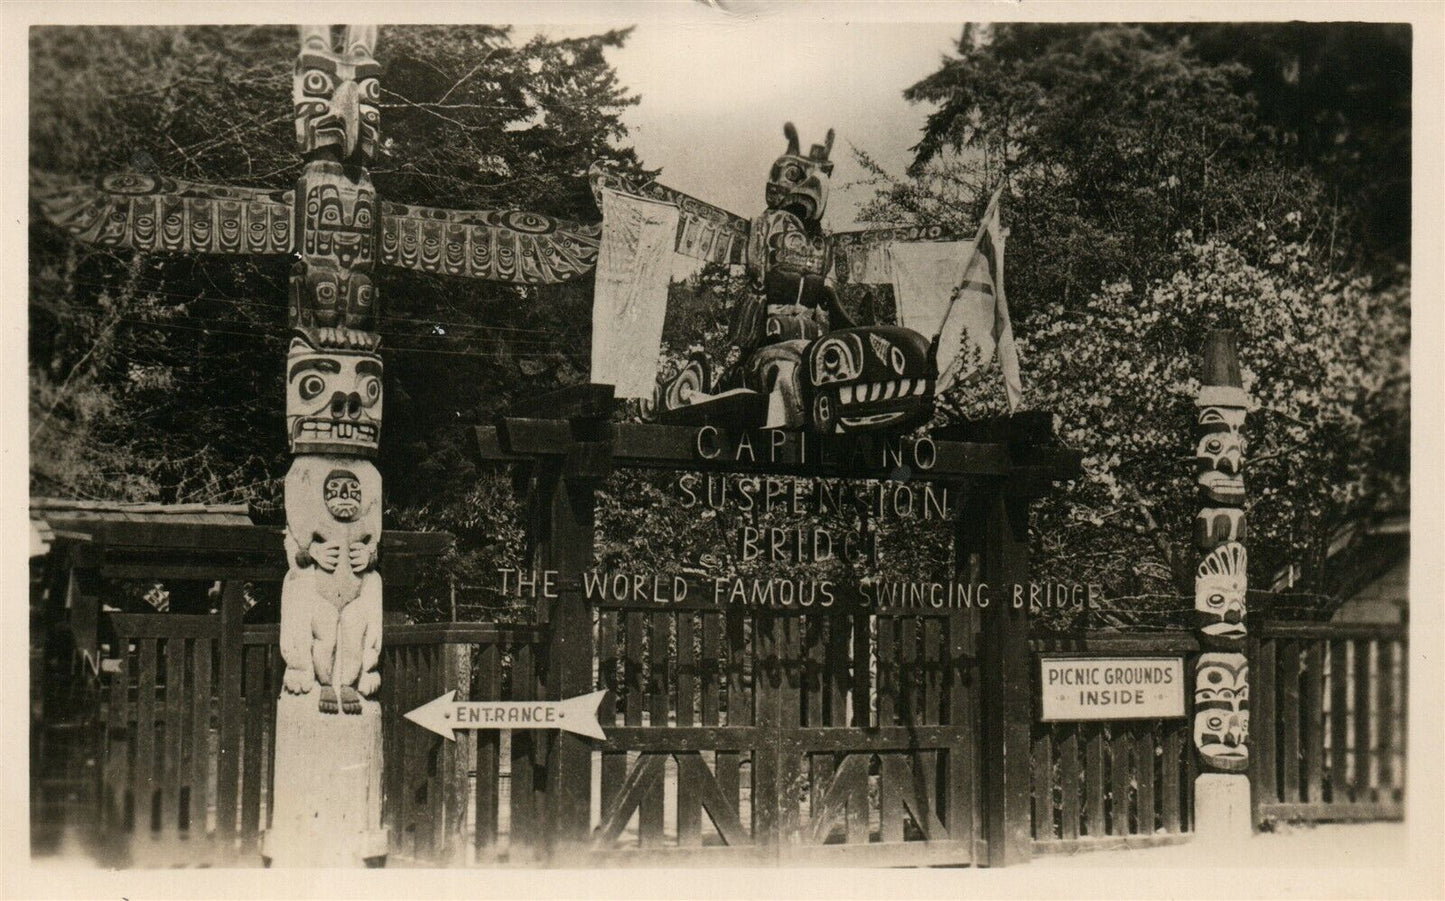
{"x":1312,"y":690}
{"x":1144,"y":737}
{"x":733,"y":644}
{"x":1388,"y":719}
{"x":254,"y":665}
{"x":863,"y":669}
{"x":888,"y":683}
{"x":487,"y":678}
{"x":908,"y":675}
{"x":1264,"y":723}
{"x":767,"y":684}
{"x":1364,"y":729}
{"x":119,"y":733}
{"x":174,"y":734}
{"x":1094,"y":778}
{"x":614,"y":764}
{"x":651,"y":809}
{"x":1120,"y":769}
{"x":689,"y":803}
{"x":525,"y":835}
{"x":892,"y":784}
{"x":201,"y":705}
{"x":231,"y":710}
{"x":1043,"y":789}
{"x":1173,"y":743}
{"x":933,"y":630}
{"x":837,"y":673}
{"x":812,"y":637}
{"x":392,"y":676}
{"x":1289,"y":720}
{"x":145,"y":725}
{"x":789,"y":717}
{"x":963,"y":757}
{"x":1340,"y":683}
{"x":1069,"y":775}
{"x":456,"y":766}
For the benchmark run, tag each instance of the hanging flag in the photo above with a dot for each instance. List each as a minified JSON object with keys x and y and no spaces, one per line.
{"x":634,"y":265}
{"x":975,"y":305}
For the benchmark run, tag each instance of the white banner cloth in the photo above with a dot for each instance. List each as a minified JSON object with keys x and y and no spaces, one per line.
{"x":634,"y":265}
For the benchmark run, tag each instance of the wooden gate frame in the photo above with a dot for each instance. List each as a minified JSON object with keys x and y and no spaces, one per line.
{"x":563,"y":446}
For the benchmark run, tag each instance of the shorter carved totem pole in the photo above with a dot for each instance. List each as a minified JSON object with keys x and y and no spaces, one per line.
{"x":1221,"y":674}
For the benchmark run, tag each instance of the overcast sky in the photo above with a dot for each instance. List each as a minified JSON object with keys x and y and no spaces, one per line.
{"x":716,"y":91}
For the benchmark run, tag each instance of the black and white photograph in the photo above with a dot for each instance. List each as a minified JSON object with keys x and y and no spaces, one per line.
{"x":829,"y":441}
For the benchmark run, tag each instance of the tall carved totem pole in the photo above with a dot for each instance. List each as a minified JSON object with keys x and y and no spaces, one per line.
{"x":328,"y":805}
{"x":1221,"y":674}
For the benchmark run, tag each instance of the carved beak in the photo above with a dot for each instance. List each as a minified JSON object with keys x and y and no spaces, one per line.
{"x":346,"y":105}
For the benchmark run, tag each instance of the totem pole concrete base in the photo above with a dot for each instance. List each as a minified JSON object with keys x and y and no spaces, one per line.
{"x":328,"y":787}
{"x":1221,"y":808}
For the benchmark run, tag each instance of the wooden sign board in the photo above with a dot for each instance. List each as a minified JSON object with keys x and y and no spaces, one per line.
{"x":1074,"y":689}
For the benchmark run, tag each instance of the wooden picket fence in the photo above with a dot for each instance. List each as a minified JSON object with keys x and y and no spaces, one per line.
{"x":1116,"y":784}
{"x":1328,"y":723}
{"x":195,"y":787}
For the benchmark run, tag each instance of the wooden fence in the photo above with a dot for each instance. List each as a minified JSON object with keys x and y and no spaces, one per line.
{"x":189,"y":716}
{"x":1328,"y":721}
{"x":1121,"y":783}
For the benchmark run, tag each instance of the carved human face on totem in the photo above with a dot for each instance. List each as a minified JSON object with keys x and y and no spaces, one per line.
{"x":1219,"y":592}
{"x":330,"y":285}
{"x":333,"y":400}
{"x":342,"y":493}
{"x":1219,"y":453}
{"x":799,"y":184}
{"x":336,"y":94}
{"x":1221,"y":711}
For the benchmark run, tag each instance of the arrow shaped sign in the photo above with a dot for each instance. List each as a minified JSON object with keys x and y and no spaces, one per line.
{"x":446,"y":714}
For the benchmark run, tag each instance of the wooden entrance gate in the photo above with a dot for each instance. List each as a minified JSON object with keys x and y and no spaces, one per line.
{"x":859,"y":734}
{"x":799,"y":735}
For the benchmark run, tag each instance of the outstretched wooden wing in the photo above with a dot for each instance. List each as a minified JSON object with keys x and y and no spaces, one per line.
{"x":861,"y":257}
{"x":496,"y":245}
{"x":704,"y":232}
{"x":151,"y":212}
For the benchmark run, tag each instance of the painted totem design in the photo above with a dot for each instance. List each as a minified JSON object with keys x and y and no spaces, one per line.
{"x":1221,"y":675}
{"x":331,"y":608}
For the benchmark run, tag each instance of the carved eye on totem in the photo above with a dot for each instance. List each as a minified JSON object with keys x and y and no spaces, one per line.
{"x":1215,"y":722}
{"x":895,"y":357}
{"x":317,"y":82}
{"x":1214,"y":446}
{"x":311,"y":386}
{"x":837,"y":359}
{"x":370,"y":391}
{"x":370,"y":89}
{"x":792,"y":172}
{"x":1215,"y":601}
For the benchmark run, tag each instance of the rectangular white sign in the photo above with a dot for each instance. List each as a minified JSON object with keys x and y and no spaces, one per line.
{"x":1111,"y":688}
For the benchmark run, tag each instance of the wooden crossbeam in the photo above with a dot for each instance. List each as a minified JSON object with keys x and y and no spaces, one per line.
{"x":649,"y":770}
{"x":690,"y":766}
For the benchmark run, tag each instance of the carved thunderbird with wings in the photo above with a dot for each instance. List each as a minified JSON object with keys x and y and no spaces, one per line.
{"x":332,"y":220}
{"x":794,"y":343}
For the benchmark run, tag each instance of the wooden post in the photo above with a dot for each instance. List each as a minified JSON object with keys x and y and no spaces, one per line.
{"x":998,"y":528}
{"x":563,"y":506}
